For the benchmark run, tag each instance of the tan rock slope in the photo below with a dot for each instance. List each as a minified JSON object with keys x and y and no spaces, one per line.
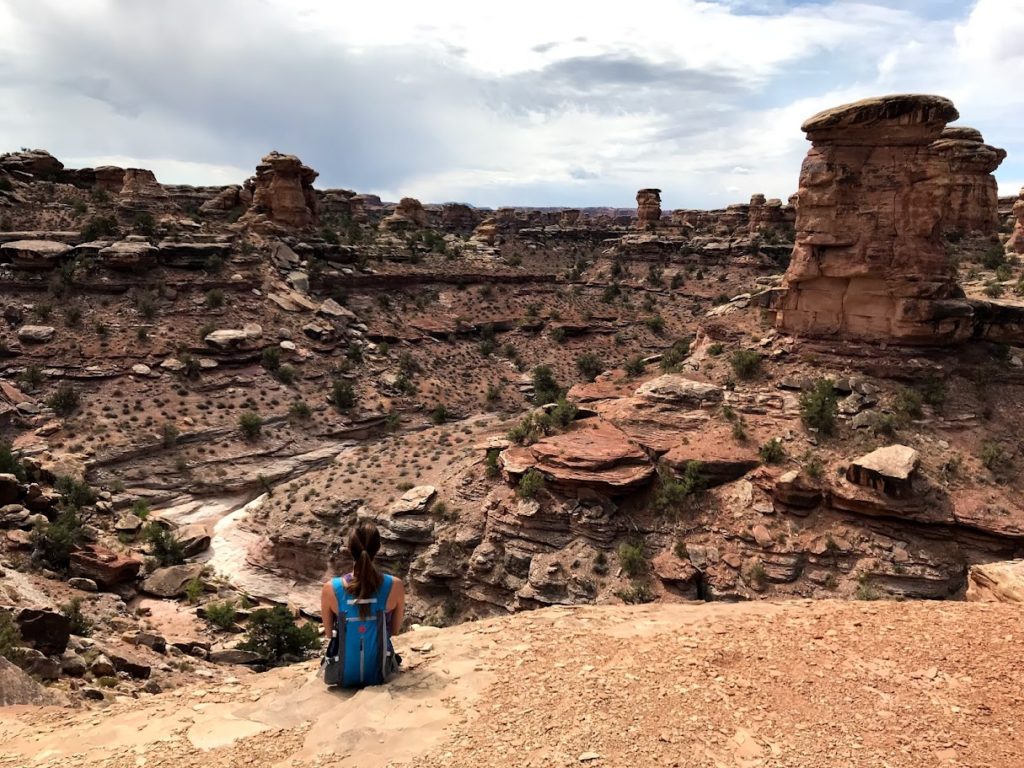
{"x":756,"y":684}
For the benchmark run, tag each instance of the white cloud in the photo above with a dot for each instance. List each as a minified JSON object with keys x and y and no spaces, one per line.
{"x":566,"y":102}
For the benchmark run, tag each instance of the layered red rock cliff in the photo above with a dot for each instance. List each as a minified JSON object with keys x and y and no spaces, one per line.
{"x":881,"y":183}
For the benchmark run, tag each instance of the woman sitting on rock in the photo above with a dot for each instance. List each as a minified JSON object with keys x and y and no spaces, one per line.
{"x":362,"y":610}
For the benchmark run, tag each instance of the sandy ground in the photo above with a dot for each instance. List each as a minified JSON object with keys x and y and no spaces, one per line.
{"x":800,"y":684}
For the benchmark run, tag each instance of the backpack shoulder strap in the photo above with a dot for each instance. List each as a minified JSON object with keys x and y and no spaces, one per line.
{"x":385,"y":591}
{"x":341,"y":595}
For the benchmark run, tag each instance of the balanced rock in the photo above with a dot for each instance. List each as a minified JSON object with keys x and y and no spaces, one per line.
{"x":889,"y":470}
{"x":869,"y":261}
{"x":972,"y":194}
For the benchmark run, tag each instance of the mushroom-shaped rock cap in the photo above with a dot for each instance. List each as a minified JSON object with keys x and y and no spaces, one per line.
{"x":902,"y":119}
{"x":962,"y":133}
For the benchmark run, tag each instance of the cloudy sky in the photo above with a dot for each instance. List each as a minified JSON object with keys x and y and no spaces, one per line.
{"x":553,"y":102}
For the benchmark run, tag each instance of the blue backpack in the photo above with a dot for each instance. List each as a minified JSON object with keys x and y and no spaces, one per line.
{"x":360,"y":651}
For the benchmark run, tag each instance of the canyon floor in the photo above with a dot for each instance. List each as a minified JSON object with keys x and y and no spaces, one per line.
{"x":800,"y":683}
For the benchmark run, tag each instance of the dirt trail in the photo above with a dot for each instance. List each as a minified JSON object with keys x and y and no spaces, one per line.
{"x":758,"y":684}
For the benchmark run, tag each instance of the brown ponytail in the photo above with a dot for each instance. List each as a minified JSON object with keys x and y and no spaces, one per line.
{"x":363,"y":544}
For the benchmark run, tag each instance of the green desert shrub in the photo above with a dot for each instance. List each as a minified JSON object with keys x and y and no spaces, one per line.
{"x":222,"y":615}
{"x":164,"y":545}
{"x":274,"y":634}
{"x":819,"y":406}
{"x":632,"y":559}
{"x":772,"y":452}
{"x":81,"y":625}
{"x":530,"y":484}
{"x":746,"y":363}
{"x":545,"y":387}
{"x":251,"y":425}
{"x":589,"y":364}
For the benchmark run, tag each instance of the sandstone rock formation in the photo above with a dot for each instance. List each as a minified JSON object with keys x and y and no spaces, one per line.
{"x":282,"y":193}
{"x":141,"y":191}
{"x":648,"y":208}
{"x":228,"y":199}
{"x":33,"y":254}
{"x":889,"y":470}
{"x":1016,"y":242}
{"x":595,"y":455}
{"x":875,"y":196}
{"x":972,"y":195}
{"x":458,"y":217}
{"x":996,"y":582}
{"x":409,"y":214}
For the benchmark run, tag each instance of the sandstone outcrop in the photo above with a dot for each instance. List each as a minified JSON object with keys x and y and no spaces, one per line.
{"x":409,"y":214}
{"x":996,"y":582}
{"x":228,"y":199}
{"x":875,"y":196}
{"x":648,"y":208}
{"x":33,"y":254}
{"x":889,"y":470}
{"x":282,"y":193}
{"x":458,"y":217}
{"x":104,"y":566}
{"x":972,"y":194}
{"x":1016,"y":242}
{"x":141,"y":191}
{"x":595,"y":455}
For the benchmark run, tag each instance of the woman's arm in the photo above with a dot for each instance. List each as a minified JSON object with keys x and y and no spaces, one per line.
{"x":328,"y":608}
{"x":396,"y":604}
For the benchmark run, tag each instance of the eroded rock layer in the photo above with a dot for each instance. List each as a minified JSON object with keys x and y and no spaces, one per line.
{"x":878,"y":188}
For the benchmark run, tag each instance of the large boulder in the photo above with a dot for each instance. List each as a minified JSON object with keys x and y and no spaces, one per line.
{"x":414,"y":501}
{"x":171,"y":581}
{"x":33,"y":254}
{"x":996,"y":582}
{"x":36,"y":334}
{"x":889,"y":470}
{"x":680,"y":391}
{"x":46,"y":631}
{"x":104,"y":566}
{"x":18,"y":689}
{"x":132,"y":253}
{"x":195,"y":539}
